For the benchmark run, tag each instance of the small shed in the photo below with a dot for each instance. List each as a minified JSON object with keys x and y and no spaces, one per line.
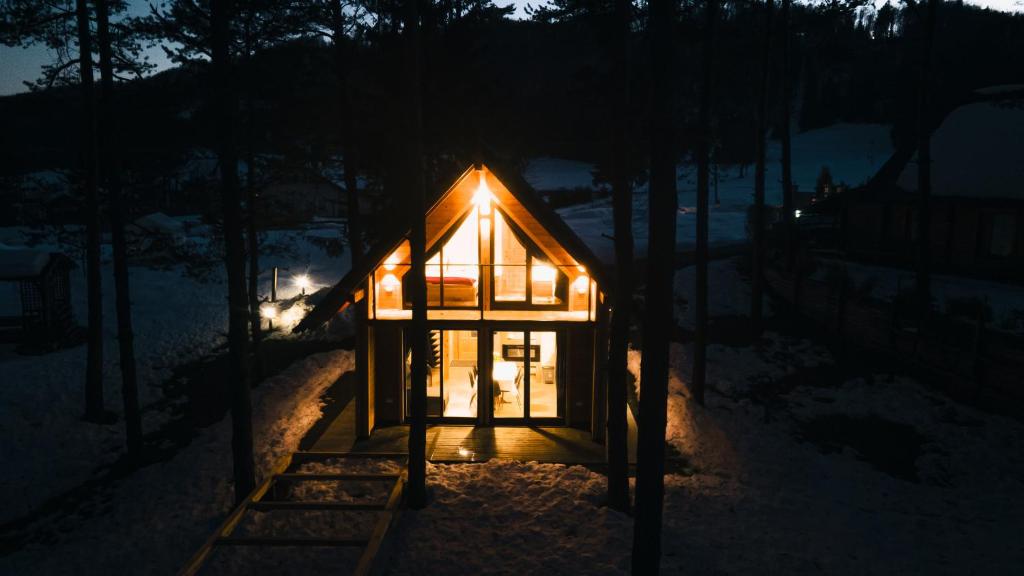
{"x":42,"y":280}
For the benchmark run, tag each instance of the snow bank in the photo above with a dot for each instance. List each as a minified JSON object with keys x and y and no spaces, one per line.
{"x":767,"y":491}
{"x":179,"y":316}
{"x":153,"y":520}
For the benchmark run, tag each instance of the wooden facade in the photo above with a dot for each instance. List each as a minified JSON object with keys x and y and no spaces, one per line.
{"x":517,"y":314}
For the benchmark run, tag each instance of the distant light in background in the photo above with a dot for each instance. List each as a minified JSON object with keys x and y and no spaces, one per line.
{"x":796,"y":213}
{"x":268,"y":311}
{"x":302,"y":282}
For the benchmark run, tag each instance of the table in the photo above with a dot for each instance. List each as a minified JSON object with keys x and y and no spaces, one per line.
{"x":504,"y":374}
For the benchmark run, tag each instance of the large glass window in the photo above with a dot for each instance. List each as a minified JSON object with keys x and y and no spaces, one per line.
{"x":453,"y":272}
{"x":545,"y":393}
{"x":521,"y":272}
{"x":508,"y":374}
{"x":509,"y":263}
{"x":452,"y":374}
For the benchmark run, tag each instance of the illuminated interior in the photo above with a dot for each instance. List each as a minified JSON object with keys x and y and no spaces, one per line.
{"x":486,"y":262}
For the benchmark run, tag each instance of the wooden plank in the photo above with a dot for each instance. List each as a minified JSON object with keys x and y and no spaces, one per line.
{"x":229,"y":524}
{"x":307,"y":456}
{"x":271,"y":505}
{"x":300,"y":476}
{"x":289,"y":541}
{"x":368,"y":563}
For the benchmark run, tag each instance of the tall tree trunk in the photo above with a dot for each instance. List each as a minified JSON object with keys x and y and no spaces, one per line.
{"x":924,"y":160}
{"x":650,"y":482}
{"x":111,"y":176}
{"x":787,"y":156}
{"x":622,"y":201}
{"x":417,"y":280}
{"x":700,"y":342}
{"x":343,"y":65}
{"x":252,"y":235}
{"x":234,"y":251}
{"x":757,"y":260}
{"x":94,"y":410}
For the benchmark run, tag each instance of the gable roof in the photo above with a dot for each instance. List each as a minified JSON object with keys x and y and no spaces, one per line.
{"x":518,"y":201}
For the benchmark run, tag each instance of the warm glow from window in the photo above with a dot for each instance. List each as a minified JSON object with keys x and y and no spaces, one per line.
{"x":543,"y":273}
{"x":389,"y":282}
{"x":391,"y":262}
{"x":482,"y":196}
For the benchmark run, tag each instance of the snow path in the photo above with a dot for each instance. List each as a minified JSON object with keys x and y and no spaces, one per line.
{"x":154,"y":520}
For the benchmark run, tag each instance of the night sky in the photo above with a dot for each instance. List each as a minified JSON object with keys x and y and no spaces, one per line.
{"x":18,"y":65}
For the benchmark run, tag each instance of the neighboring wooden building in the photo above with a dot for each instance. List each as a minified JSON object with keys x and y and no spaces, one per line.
{"x":42,"y":319}
{"x":976,"y":204}
{"x":516,"y":313}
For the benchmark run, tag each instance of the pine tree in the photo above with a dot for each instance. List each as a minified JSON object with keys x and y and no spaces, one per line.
{"x":757,"y":261}
{"x":622,"y":200}
{"x":703,"y":167}
{"x":417,"y":280}
{"x":224,"y":100}
{"x":111,"y":177}
{"x":650,"y":468}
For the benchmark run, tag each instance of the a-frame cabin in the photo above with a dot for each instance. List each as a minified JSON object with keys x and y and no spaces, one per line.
{"x":516,"y":314}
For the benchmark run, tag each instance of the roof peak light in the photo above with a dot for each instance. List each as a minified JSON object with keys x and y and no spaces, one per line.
{"x":482,"y":197}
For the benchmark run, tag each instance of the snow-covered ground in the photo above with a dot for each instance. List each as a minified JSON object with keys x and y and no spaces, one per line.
{"x":179,"y":314}
{"x":791,"y":467}
{"x":1005,"y":302}
{"x":852,"y":152}
{"x":154,"y":520}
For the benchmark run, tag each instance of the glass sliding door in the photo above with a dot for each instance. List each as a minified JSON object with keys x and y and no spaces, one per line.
{"x":452,"y":374}
{"x":546,"y":393}
{"x":525,"y":376}
{"x":508,"y":374}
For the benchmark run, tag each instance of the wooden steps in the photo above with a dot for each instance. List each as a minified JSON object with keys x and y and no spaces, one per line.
{"x":267,"y":497}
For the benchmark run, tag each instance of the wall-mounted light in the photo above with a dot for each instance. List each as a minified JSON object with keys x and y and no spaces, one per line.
{"x":389,"y":282}
{"x":581,"y":284}
{"x":391,"y":262}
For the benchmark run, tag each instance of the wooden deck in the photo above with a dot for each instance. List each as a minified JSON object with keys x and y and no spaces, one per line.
{"x":460,"y":443}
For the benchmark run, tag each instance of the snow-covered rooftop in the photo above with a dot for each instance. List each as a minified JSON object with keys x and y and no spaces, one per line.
{"x":15,"y":264}
{"x":976,"y":152}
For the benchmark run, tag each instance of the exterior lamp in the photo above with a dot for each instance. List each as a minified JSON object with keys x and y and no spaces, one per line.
{"x":581,"y":284}
{"x":269,"y":311}
{"x":391,"y":262}
{"x":302,"y":282}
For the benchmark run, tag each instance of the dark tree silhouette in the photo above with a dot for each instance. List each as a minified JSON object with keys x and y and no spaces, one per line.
{"x":111,"y":177}
{"x":417,"y":280}
{"x":224,"y":100}
{"x":757,"y":224}
{"x":622,"y":202}
{"x":94,"y":410}
{"x":785,"y":123}
{"x":924,"y":154}
{"x":700,"y":342}
{"x":650,"y":471}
